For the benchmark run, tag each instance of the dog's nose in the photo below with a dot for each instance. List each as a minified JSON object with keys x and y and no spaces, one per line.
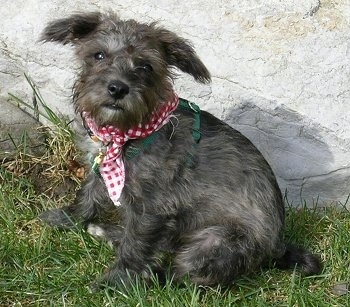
{"x":118,"y":89}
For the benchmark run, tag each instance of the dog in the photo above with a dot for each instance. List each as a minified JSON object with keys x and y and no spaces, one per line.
{"x":171,"y":187}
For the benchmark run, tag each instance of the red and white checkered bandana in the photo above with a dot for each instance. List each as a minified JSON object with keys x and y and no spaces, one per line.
{"x":112,"y":165}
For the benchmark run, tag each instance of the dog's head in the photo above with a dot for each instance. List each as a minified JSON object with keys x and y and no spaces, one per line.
{"x":126,"y":65}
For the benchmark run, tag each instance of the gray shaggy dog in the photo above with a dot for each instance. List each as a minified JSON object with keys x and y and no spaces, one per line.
{"x":172,"y":188}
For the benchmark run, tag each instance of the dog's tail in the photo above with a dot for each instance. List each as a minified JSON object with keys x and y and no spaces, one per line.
{"x":308,"y":263}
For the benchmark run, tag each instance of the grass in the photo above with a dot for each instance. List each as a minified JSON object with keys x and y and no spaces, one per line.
{"x":41,"y":266}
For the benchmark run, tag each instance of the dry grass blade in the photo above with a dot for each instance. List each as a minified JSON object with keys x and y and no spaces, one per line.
{"x":58,"y":165}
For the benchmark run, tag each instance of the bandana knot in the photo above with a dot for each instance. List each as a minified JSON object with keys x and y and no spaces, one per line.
{"x":110,"y":161}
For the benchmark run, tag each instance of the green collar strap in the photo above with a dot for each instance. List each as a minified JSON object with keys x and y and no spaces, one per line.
{"x":184,"y":104}
{"x":190,"y":106}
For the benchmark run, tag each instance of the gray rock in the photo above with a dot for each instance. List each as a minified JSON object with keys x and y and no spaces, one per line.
{"x":281,"y":73}
{"x":18,"y":130}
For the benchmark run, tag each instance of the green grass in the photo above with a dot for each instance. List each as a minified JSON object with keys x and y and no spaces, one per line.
{"x":41,"y":266}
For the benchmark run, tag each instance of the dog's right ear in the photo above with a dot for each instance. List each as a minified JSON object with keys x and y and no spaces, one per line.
{"x":71,"y":29}
{"x":180,"y":53}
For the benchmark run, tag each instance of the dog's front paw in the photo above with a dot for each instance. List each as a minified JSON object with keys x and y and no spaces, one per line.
{"x":117,"y":279}
{"x":57,"y":218}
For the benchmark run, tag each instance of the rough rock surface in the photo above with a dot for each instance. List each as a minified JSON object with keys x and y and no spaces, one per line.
{"x":18,"y":128}
{"x":281,"y":72}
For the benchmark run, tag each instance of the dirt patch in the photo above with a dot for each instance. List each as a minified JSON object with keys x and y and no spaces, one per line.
{"x":46,"y":156}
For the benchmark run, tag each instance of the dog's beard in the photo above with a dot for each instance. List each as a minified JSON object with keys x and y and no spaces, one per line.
{"x":123,"y":113}
{"x":135,"y":108}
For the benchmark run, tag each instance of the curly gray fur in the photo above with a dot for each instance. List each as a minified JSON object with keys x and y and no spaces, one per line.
{"x":215,"y":218}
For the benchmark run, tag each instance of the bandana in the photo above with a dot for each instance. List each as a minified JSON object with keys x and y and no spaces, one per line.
{"x":110,"y":161}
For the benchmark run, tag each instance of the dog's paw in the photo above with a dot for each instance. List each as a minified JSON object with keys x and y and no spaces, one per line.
{"x":117,"y":281}
{"x":112,"y":234}
{"x":96,"y":231}
{"x":116,"y":278}
{"x":56,"y":218}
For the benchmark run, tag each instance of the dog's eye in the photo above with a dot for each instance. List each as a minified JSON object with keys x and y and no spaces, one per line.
{"x":99,"y":56}
{"x":147,"y":67}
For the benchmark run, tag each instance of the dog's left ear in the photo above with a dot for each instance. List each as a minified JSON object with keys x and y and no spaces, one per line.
{"x":180,"y":53}
{"x":71,"y":29}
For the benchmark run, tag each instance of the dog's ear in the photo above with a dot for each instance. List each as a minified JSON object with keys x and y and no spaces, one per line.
{"x":180,"y":53}
{"x":71,"y":29}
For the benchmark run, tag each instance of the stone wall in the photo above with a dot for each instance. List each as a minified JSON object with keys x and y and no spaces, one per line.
{"x":281,"y":73}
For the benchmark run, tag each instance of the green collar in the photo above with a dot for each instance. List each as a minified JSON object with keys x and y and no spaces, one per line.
{"x":184,"y":104}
